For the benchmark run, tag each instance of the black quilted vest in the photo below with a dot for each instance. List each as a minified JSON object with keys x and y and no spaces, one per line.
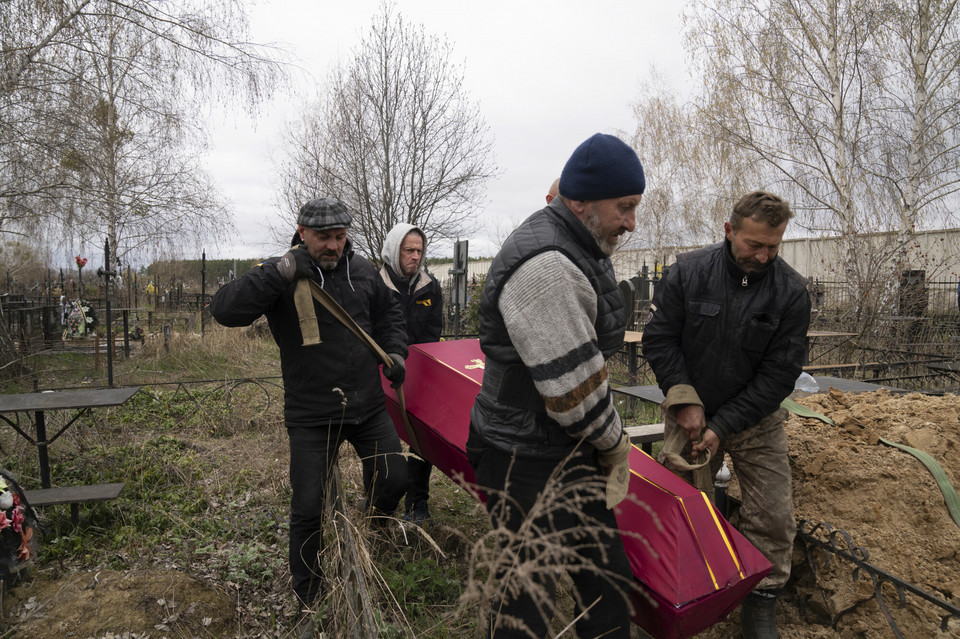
{"x":553,"y":228}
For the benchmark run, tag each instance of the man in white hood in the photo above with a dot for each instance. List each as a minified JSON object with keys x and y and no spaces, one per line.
{"x":422,"y":302}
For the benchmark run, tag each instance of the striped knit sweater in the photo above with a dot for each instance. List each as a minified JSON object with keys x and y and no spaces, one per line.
{"x":549,"y":309}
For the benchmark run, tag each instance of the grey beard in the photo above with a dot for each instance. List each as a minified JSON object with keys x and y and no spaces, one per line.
{"x":593,"y":225}
{"x":328,"y":263}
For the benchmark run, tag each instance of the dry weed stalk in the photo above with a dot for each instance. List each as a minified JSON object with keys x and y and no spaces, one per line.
{"x":535,"y":559}
{"x":355,"y":586}
{"x":357,"y":601}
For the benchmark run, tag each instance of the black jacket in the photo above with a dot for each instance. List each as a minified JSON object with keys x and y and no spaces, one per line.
{"x":312,"y":375}
{"x":738,"y":339}
{"x":421,"y":302}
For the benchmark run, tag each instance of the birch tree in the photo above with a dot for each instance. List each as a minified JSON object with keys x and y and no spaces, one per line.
{"x":798,"y":81}
{"x":663,"y":141}
{"x":131,"y":151}
{"x":101,"y":104}
{"x":694,"y":174}
{"x":921,"y":119}
{"x":395,"y":136}
{"x":855,"y":104}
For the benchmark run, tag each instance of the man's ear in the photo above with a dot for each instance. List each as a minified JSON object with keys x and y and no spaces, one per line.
{"x":728,"y":230}
{"x":297,"y":236}
{"x":577,"y":207}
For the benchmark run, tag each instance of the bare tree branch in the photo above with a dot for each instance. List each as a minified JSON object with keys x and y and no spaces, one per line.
{"x":395,"y":137}
{"x":100,"y":129}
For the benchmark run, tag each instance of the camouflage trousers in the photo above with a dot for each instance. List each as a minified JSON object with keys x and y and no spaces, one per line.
{"x":762,"y":467}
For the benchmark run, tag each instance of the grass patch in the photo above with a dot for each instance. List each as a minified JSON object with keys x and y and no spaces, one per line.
{"x":204,"y":457}
{"x":205,"y":462}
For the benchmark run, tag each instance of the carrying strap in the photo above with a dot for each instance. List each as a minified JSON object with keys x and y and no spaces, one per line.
{"x":950,"y":497}
{"x":306,"y":311}
{"x":317,"y":293}
{"x":674,"y":443}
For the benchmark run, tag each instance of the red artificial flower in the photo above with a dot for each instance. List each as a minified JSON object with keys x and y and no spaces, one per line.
{"x":24,"y":550}
{"x":4,"y":521}
{"x":81,"y":261}
{"x":18,"y":519}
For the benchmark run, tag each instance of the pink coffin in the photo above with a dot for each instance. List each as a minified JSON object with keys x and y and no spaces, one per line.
{"x":694,"y":566}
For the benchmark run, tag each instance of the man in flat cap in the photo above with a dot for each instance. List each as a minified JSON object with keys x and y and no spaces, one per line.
{"x":332,"y":389}
{"x":546,"y":443}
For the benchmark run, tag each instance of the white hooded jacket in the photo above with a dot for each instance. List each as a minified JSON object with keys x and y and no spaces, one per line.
{"x":422,"y":302}
{"x":391,"y":256}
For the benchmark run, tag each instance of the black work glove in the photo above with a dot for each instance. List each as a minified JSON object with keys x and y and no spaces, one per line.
{"x":395,"y":373}
{"x":296,"y":264}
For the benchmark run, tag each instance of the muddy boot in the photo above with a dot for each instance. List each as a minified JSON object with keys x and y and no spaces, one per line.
{"x":758,"y":618}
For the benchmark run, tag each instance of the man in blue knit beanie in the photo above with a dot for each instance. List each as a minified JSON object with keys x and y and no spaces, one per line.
{"x":546,"y":442}
{"x":603,"y":168}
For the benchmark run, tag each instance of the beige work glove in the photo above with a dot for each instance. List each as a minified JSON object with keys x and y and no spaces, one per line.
{"x":616,"y":463}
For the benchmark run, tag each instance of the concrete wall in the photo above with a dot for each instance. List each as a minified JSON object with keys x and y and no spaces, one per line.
{"x":936,"y":252}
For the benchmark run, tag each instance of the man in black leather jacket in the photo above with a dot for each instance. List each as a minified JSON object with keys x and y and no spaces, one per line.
{"x":332,"y":388}
{"x":726,"y":339}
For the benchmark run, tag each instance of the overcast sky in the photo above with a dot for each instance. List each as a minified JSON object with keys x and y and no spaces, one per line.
{"x":546,"y":76}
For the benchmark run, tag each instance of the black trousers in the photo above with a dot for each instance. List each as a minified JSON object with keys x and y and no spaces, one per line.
{"x":418,"y":488}
{"x":563,"y":527}
{"x":313,"y":451}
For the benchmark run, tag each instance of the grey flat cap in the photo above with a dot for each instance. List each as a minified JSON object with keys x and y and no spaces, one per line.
{"x":324,"y":213}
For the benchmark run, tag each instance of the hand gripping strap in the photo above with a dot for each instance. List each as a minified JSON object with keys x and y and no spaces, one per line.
{"x":331,"y":305}
{"x":670,"y":452}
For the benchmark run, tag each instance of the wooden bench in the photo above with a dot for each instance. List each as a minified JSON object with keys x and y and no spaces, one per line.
{"x":73,"y":495}
{"x":645,"y":435}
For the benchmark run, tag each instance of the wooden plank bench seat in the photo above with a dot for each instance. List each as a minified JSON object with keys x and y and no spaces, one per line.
{"x":73,"y":495}
{"x":644,"y":435}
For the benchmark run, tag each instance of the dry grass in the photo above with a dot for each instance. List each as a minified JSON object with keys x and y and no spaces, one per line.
{"x":205,"y":507}
{"x":539,"y":560}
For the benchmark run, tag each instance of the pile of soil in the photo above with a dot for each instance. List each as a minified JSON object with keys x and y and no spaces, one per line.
{"x":890,"y":506}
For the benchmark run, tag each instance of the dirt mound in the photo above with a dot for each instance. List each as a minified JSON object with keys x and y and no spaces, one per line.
{"x":130,"y":603}
{"x":886,"y":501}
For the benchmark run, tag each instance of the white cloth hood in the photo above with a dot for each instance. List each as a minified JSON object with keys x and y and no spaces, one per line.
{"x":391,"y":246}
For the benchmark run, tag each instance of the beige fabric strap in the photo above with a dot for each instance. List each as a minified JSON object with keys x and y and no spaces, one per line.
{"x":674,"y":443}
{"x":331,"y":305}
{"x":306,"y":311}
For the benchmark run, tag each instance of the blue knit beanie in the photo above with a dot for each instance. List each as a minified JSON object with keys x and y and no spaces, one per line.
{"x":602,"y":167}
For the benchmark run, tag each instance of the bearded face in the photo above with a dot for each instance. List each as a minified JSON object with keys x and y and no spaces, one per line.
{"x":608,"y":220}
